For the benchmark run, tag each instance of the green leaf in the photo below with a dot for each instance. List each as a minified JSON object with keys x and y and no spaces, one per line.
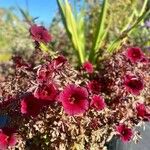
{"x":5,"y":57}
{"x":99,"y":31}
{"x":143,"y":8}
{"x":46,"y":49}
{"x":74,"y":28}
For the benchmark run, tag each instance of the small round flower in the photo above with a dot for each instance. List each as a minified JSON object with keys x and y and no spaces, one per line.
{"x":94,"y":87}
{"x":7,"y":138}
{"x":134,"y":54}
{"x":74,"y":99}
{"x":124,"y":132}
{"x":40,"y":34}
{"x":88,"y":67}
{"x":98,"y":102}
{"x":142,"y":111}
{"x":133,"y":84}
{"x":31,"y":106}
{"x":46,"y":92}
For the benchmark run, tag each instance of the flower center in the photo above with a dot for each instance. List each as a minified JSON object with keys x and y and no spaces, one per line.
{"x":45,"y":92}
{"x":123,"y":133}
{"x":136,"y":55}
{"x":73,"y":100}
{"x":133,"y":83}
{"x":97,"y":105}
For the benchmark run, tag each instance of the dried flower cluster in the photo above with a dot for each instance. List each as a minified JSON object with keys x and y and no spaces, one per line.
{"x":47,"y":104}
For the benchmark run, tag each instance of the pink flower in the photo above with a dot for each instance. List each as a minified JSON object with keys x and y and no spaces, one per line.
{"x":124,"y":132}
{"x":142,"y":111}
{"x":46,"y":92}
{"x":94,"y":87}
{"x":59,"y":62}
{"x":88,"y":67}
{"x":74,"y":99}
{"x":40,"y":34}
{"x":7,"y":138}
{"x":45,"y":72}
{"x":134,"y":54}
{"x":133,"y":84}
{"x":31,"y":106}
{"x":98,"y":102}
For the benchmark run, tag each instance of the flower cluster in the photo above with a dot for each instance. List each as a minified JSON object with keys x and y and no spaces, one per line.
{"x":61,"y":106}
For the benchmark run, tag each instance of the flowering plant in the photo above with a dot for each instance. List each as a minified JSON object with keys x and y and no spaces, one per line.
{"x":48,"y":104}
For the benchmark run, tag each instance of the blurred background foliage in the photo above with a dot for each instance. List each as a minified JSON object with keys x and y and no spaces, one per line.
{"x":14,"y":36}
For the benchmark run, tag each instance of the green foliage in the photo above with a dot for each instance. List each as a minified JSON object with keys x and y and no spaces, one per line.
{"x":94,"y":27}
{"x":74,"y":27}
{"x":115,"y":45}
{"x":133,"y":21}
{"x":14,"y":36}
{"x":108,"y":31}
{"x":100,"y":33}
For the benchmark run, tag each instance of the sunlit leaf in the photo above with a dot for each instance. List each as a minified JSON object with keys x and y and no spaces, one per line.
{"x":99,"y":30}
{"x":5,"y":57}
{"x":74,"y":28}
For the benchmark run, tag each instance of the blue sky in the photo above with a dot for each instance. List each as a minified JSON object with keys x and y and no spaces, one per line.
{"x":44,"y":9}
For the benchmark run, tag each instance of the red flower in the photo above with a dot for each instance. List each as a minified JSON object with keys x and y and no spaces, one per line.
{"x":142,"y":111}
{"x":7,"y":138}
{"x":88,"y":67}
{"x":134,"y":54}
{"x":124,"y":132}
{"x":98,"y":102}
{"x":94,"y":87}
{"x":133,"y":84}
{"x":59,"y":62}
{"x":46,"y":92}
{"x":45,"y":72}
{"x":74,"y":99}
{"x":40,"y":34}
{"x":30,"y":106}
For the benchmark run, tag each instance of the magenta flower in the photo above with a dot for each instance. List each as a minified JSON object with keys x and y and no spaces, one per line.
{"x":98,"y":102}
{"x":134,"y":54}
{"x":124,"y":132}
{"x":31,"y":106}
{"x":40,"y":34}
{"x":142,"y":111}
{"x":59,"y":62}
{"x":74,"y":99}
{"x":94,"y":87}
{"x":7,"y":138}
{"x":133,"y":84}
{"x":46,"y":92}
{"x":88,"y":67}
